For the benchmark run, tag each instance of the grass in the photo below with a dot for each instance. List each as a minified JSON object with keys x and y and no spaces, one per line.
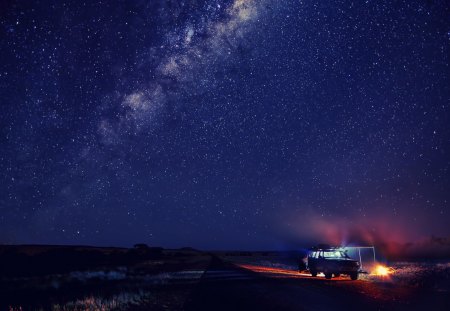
{"x":122,"y":301}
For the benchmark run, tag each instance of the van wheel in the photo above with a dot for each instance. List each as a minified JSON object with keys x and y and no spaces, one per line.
{"x":328,"y":275}
{"x":313,"y":273}
{"x":354,"y":276}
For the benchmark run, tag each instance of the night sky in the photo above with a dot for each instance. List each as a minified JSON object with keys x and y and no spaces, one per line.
{"x":224,"y":124}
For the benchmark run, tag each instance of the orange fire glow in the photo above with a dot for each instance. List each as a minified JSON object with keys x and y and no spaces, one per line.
{"x":381,"y":270}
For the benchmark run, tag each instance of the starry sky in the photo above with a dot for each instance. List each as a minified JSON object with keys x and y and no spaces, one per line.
{"x":224,"y":124}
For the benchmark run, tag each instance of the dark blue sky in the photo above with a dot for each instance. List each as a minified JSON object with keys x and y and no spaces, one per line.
{"x":224,"y":124}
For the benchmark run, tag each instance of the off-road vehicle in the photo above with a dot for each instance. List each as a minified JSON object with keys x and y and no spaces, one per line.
{"x":330,"y":261}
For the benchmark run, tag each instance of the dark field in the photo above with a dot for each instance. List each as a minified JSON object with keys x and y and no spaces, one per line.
{"x":143,"y":278}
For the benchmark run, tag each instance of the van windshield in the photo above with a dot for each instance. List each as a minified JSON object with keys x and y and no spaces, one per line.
{"x":335,"y":254}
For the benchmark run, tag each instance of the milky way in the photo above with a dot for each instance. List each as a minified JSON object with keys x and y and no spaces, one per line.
{"x":224,"y":124}
{"x":188,"y":56}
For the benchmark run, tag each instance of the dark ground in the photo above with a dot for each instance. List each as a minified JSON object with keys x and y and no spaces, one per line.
{"x":156,"y":279}
{"x":261,"y":292}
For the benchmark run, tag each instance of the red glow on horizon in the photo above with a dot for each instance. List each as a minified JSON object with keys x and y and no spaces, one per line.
{"x":392,"y":237}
